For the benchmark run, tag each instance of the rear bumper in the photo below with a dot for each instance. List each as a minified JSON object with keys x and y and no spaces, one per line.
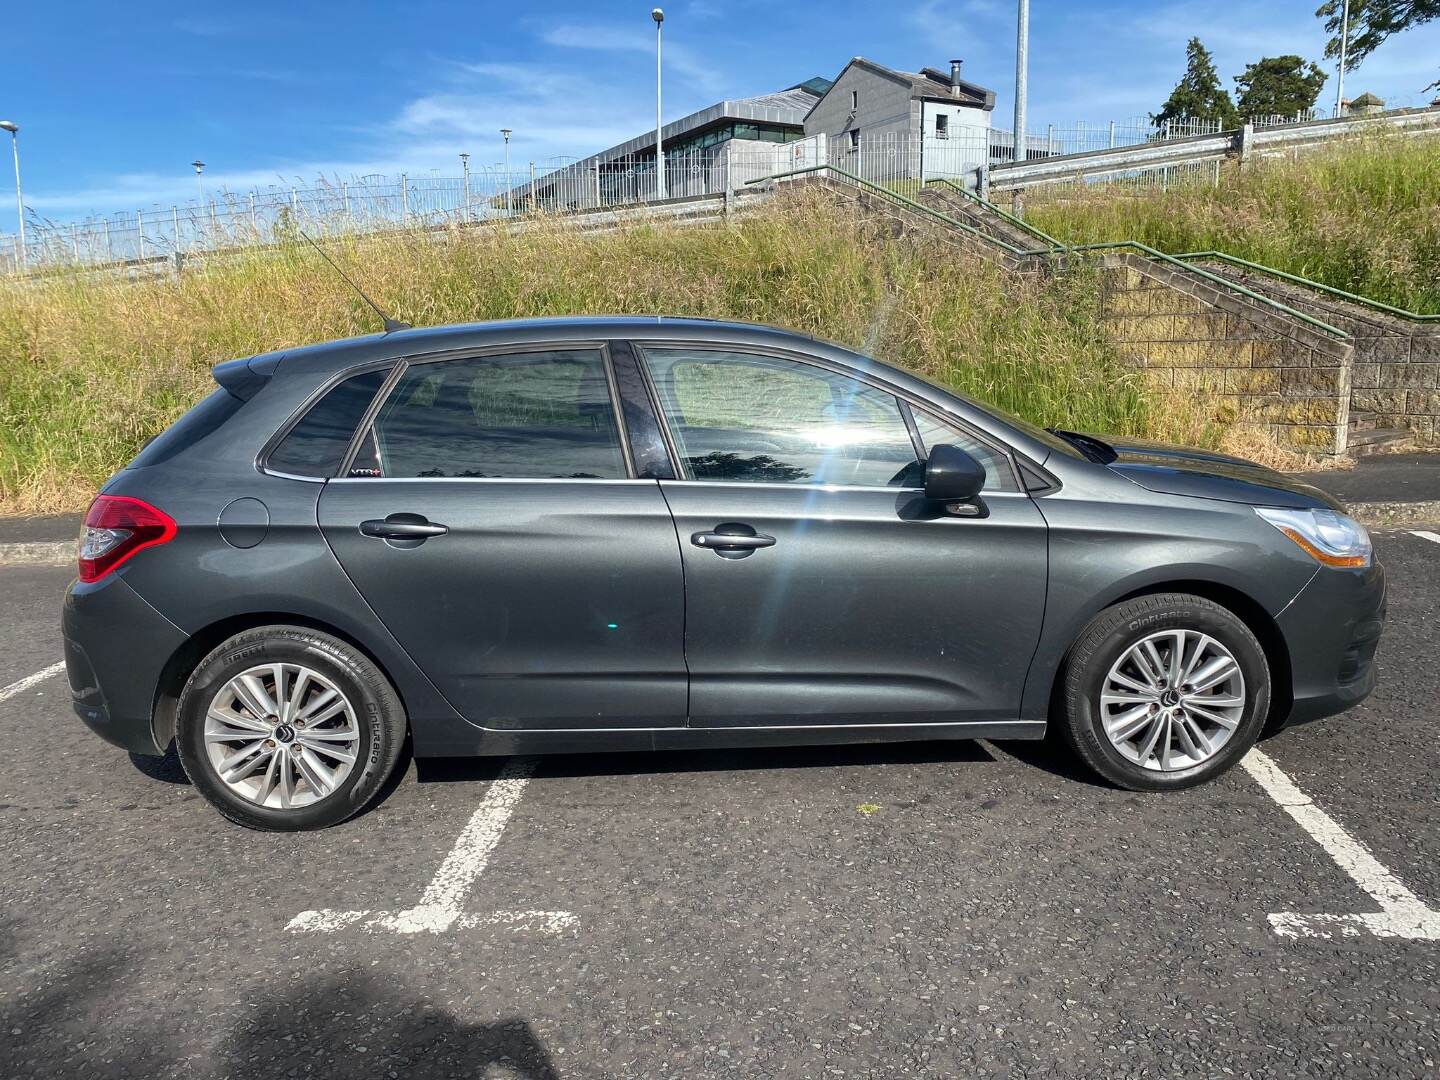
{"x":116,"y":646}
{"x":1333,"y":629}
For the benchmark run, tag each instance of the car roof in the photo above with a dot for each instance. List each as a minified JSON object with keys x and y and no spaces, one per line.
{"x":324,"y":360}
{"x":347,"y":352}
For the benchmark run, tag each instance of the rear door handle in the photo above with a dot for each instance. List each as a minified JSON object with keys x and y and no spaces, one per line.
{"x":402,"y":527}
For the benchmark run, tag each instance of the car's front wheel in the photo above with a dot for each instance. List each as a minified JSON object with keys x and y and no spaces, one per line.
{"x":285,"y":728}
{"x":1164,"y":691}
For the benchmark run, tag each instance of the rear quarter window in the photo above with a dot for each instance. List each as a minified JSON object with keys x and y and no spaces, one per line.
{"x":316,"y":445}
{"x":203,"y":420}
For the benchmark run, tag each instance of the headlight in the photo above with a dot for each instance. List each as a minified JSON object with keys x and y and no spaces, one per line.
{"x":1327,"y":535}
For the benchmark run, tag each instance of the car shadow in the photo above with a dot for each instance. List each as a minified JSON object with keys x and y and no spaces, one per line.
{"x":166,"y":769}
{"x":651,"y":762}
{"x":1046,"y":755}
{"x":1054,"y":757}
{"x":351,"y":1023}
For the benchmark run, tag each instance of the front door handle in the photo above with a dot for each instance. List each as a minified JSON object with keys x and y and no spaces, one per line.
{"x":732,"y":540}
{"x":402,"y":527}
{"x":727,"y":542}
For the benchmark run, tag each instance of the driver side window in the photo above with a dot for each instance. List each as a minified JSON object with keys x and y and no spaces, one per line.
{"x":762,"y":419}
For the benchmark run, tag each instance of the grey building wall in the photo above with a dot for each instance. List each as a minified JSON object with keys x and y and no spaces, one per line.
{"x":882,"y":105}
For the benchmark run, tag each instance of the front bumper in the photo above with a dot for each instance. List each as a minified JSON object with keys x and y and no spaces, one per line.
{"x":116,"y":646}
{"x":1332,"y":630}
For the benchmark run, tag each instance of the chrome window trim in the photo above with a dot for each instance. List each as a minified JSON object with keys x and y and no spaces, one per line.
{"x":490,"y":480}
{"x":741,"y":485}
{"x":292,"y":476}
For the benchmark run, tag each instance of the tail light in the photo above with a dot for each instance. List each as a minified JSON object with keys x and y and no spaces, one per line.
{"x":115,"y":529}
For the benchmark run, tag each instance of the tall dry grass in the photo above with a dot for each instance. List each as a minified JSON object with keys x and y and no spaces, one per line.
{"x":1363,"y":216}
{"x":94,"y":365}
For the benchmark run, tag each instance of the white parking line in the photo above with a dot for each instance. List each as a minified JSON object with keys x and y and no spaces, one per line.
{"x":28,"y":681}
{"x":440,"y":905}
{"x":1426,"y":534}
{"x":39,"y":553}
{"x":1402,"y":914}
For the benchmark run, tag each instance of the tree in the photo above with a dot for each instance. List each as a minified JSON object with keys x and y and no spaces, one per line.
{"x":1199,"y":95}
{"x":1371,"y":22}
{"x":1278,"y":86}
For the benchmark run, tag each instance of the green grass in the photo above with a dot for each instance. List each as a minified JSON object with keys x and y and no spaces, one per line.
{"x":91,"y":366}
{"x":1363,"y":217}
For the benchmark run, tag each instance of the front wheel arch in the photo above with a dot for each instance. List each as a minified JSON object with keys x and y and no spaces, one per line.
{"x":1246,"y":609}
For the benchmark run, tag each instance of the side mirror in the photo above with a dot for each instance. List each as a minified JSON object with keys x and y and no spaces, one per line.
{"x":952,"y":475}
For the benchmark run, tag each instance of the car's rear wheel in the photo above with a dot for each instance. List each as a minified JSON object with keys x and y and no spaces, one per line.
{"x":1164,"y":692}
{"x":286,"y":728}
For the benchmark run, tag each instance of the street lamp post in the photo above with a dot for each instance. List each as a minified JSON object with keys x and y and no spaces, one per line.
{"x":1340,"y":75}
{"x":509,"y":207}
{"x":465,"y":173}
{"x":14,"y":129}
{"x":1022,"y":76}
{"x":659,"y":17}
{"x":199,"y":167}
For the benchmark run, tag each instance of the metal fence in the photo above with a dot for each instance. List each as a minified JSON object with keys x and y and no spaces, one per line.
{"x":228,"y":219}
{"x":1148,"y":181}
{"x":1162,"y":164}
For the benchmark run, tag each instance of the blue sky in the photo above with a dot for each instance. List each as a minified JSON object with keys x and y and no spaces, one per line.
{"x":114,"y":100}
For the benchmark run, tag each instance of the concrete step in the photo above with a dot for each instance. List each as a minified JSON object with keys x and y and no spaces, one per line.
{"x":1360,"y":420}
{"x":957,"y":206}
{"x":1381,"y":441}
{"x":1359,"y":320}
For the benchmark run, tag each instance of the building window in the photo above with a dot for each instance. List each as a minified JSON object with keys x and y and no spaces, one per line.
{"x":854,"y":100}
{"x":942,"y":126}
{"x":854,"y":138}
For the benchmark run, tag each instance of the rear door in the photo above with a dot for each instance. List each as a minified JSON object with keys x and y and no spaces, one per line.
{"x":492,"y":518}
{"x":821,"y":587}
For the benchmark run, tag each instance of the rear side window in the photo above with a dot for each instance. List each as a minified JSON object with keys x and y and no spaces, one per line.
{"x":316,"y":445}
{"x":204,"y":419}
{"x":532,"y":415}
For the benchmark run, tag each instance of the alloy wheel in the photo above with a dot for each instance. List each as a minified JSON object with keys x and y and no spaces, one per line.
{"x":281,"y":736}
{"x":1172,"y":700}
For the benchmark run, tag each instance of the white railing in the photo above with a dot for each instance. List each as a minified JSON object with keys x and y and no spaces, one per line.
{"x":227,"y":219}
{"x":1161,"y":163}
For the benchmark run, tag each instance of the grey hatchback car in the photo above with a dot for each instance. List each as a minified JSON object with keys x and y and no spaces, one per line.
{"x":643,"y":533}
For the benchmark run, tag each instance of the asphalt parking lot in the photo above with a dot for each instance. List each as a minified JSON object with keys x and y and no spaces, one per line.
{"x":926,"y":910}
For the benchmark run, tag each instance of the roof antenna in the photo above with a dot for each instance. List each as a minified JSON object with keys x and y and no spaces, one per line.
{"x":391,"y":325}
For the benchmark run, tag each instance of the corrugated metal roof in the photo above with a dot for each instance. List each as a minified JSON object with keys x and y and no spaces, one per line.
{"x":929,"y":84}
{"x":782,"y":107}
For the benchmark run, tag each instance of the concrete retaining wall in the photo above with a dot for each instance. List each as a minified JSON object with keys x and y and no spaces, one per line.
{"x":1194,"y":337}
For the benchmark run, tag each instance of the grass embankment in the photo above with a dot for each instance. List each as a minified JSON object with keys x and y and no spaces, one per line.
{"x":91,"y":366}
{"x":1363,"y":216}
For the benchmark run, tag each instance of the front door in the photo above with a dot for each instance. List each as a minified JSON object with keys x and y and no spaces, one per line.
{"x":821,"y":587}
{"x":492,"y":522}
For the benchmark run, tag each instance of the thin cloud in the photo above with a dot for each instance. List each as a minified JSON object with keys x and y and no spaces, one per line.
{"x":676,"y":56}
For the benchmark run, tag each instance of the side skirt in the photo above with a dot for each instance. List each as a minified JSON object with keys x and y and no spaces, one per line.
{"x":492,"y":742}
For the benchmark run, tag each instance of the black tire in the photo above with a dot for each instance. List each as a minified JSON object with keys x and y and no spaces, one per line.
{"x":379,"y":714}
{"x":1107,"y":638}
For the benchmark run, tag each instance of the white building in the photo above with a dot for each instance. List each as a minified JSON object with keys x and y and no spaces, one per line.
{"x":885,"y":124}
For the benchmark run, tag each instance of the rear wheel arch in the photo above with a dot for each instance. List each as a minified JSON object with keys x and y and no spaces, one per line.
{"x":187,"y":657}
